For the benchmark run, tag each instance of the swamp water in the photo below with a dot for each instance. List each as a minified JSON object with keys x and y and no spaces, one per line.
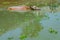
{"x":29,"y":25}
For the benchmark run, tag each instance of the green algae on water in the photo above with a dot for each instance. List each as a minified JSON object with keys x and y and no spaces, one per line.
{"x":22,"y":37}
{"x":32,"y":30}
{"x":53,"y":31}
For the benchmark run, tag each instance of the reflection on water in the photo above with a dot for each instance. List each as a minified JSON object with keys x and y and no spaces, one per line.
{"x":18,"y":26}
{"x":12,"y":20}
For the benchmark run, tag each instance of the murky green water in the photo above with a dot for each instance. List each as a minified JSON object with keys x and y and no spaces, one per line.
{"x":27,"y":21}
{"x":32,"y":25}
{"x":29,"y":26}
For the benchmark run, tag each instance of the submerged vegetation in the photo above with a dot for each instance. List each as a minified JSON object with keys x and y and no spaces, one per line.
{"x":10,"y":20}
{"x":51,"y":30}
{"x":30,"y":21}
{"x":32,"y":29}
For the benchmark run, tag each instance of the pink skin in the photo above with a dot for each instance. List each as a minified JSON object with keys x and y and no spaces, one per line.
{"x":18,"y":8}
{"x":23,"y":8}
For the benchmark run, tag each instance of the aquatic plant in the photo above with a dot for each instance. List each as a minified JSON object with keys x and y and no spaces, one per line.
{"x":53,"y":31}
{"x":10,"y":38}
{"x":33,"y":28}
